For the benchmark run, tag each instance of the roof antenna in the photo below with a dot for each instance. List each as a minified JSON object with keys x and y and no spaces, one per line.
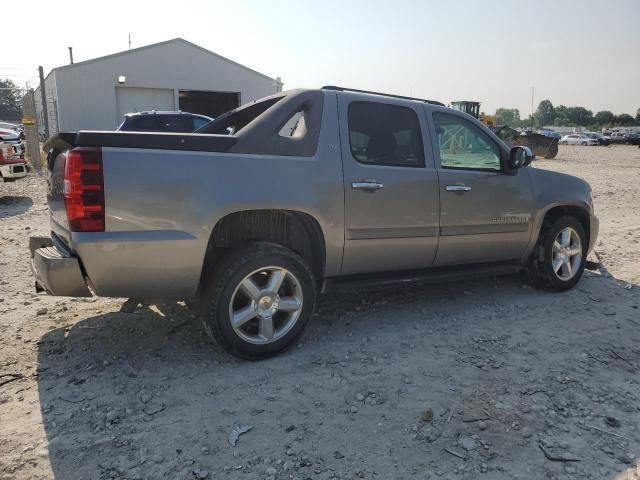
{"x":129,"y":41}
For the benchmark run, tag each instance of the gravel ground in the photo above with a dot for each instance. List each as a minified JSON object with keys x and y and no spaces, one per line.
{"x":484,"y":379}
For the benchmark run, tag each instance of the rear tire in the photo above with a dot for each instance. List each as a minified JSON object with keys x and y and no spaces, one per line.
{"x":258,"y":301}
{"x":560,"y":239}
{"x":584,"y":144}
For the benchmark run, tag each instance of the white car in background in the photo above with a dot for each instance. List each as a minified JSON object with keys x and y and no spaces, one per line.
{"x":12,"y":138}
{"x":578,"y":139}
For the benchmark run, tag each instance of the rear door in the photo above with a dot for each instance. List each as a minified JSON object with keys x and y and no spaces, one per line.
{"x":391,"y":186}
{"x":486,"y":213}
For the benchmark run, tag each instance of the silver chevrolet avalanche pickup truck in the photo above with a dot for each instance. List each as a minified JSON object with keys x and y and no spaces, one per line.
{"x":303,"y":192}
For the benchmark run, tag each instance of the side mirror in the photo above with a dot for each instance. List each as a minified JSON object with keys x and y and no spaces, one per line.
{"x":520,"y":157}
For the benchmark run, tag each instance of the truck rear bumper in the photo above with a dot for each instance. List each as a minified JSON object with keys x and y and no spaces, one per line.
{"x":56,"y":270}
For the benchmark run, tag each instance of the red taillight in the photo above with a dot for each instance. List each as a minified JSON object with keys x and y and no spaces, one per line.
{"x":84,"y":190}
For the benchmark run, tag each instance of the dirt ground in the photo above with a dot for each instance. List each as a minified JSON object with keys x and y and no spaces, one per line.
{"x":484,"y":379}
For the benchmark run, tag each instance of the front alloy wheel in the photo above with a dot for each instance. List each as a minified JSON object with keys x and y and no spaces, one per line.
{"x":567,"y":254}
{"x":558,"y":262}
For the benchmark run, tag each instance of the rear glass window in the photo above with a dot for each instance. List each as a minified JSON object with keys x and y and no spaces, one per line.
{"x":384,"y":134}
{"x":236,"y":120}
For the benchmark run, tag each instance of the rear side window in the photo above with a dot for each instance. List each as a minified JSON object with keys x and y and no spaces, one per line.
{"x":383,"y":134}
{"x":295,"y":127}
{"x":159,"y":123}
{"x":139,"y":123}
{"x":168,"y":123}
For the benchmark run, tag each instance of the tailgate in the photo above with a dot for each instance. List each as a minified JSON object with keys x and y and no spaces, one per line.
{"x":58,"y":146}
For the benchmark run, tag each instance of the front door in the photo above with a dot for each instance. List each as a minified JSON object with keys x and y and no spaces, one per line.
{"x":485,"y":213}
{"x":391,"y":186}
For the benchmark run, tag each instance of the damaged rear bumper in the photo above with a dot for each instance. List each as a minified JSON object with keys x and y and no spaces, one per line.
{"x":56,"y":270}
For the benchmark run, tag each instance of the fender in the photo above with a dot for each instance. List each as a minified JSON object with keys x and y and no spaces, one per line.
{"x":556,"y":190}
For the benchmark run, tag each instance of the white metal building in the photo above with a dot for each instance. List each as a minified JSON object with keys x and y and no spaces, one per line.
{"x":172,"y":75}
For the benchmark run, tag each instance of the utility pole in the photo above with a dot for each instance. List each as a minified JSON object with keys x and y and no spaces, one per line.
{"x":43,"y":99}
{"x":71,"y":55}
{"x":31,"y":129}
{"x":129,"y":41}
{"x":532,"y":89}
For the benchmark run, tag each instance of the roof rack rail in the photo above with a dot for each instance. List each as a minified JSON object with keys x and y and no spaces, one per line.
{"x":344,"y":89}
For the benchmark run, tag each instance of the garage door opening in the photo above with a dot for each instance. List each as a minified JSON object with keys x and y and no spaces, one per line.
{"x":212,"y":104}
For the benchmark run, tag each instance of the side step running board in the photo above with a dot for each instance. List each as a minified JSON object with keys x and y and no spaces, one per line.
{"x":432,"y":275}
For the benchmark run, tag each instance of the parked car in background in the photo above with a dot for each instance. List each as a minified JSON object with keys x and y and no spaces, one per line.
{"x":14,"y":127}
{"x":632,"y":139}
{"x":602,"y":140}
{"x":163,"y":121}
{"x":13,"y":138}
{"x":303,"y":192}
{"x":578,"y":139}
{"x":618,"y":137}
{"x":550,"y":133}
{"x":12,"y":166}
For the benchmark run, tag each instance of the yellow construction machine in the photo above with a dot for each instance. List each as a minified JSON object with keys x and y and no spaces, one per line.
{"x":541,"y":145}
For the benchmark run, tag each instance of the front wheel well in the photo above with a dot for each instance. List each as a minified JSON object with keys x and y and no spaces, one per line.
{"x":297,"y":231}
{"x":581,"y":214}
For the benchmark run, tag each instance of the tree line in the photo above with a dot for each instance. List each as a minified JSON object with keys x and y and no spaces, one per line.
{"x":10,"y":101}
{"x":561,"y":116}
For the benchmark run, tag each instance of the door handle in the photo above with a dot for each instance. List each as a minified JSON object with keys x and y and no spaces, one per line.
{"x":457,"y":188}
{"x":369,"y":186}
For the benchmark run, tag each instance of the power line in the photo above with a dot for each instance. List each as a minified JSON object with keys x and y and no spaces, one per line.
{"x":17,"y":76}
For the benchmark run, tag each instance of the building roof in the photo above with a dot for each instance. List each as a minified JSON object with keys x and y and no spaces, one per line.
{"x":153,"y":45}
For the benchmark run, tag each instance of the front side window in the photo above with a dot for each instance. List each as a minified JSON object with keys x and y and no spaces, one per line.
{"x":463,"y":145}
{"x":383,"y":134}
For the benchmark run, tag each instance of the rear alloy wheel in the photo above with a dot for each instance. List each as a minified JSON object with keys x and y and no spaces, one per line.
{"x":266,"y":304}
{"x":559,"y":257}
{"x":259,"y":300}
{"x":584,"y":144}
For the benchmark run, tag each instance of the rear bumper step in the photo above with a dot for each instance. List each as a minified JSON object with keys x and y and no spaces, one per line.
{"x":56,"y":271}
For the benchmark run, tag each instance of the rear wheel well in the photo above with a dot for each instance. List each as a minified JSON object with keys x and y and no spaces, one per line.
{"x":296,"y":231}
{"x":578,"y":212}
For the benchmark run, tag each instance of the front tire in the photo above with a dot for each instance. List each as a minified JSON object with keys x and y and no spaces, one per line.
{"x":259,"y":300}
{"x":558,"y":261}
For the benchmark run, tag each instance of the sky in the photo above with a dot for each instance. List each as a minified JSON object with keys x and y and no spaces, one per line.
{"x":575,"y":53}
